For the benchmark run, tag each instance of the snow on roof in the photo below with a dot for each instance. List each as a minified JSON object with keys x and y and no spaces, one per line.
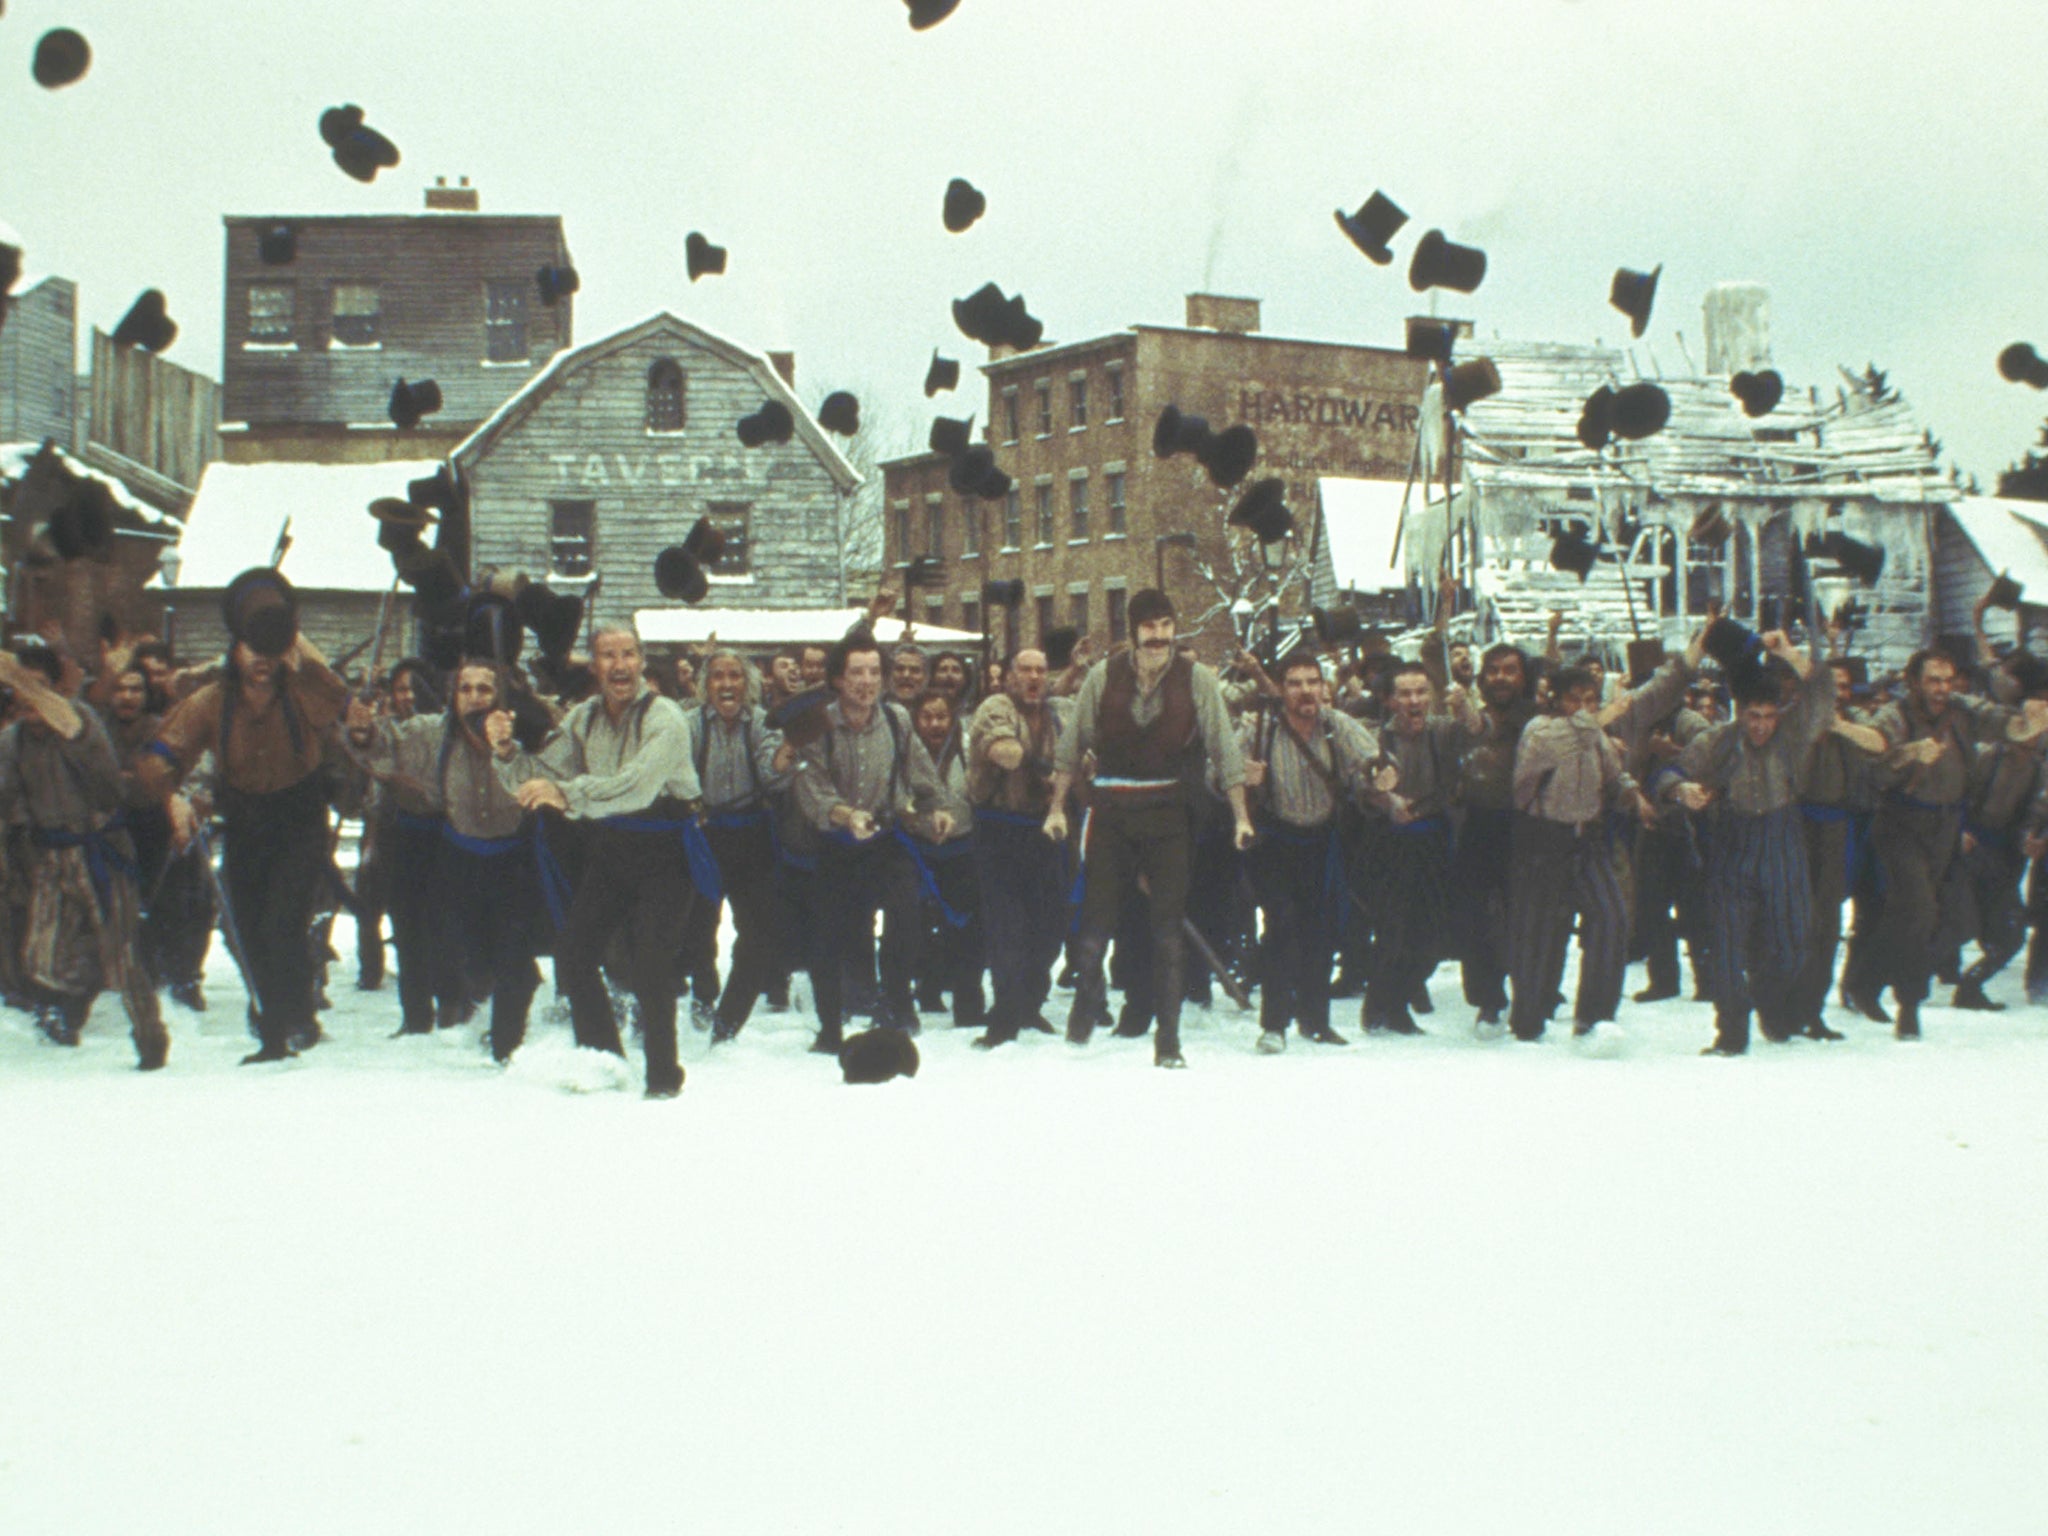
{"x":2009,"y":535}
{"x":15,"y":459}
{"x":748,"y":627}
{"x":235,"y":516}
{"x":1360,"y":518}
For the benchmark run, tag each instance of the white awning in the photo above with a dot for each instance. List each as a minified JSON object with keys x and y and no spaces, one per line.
{"x":1360,"y":520}
{"x":750,"y":628}
{"x":235,"y":517}
{"x":2008,"y":535}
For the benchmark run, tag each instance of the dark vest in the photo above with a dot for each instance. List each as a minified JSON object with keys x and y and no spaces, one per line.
{"x":1167,"y":748}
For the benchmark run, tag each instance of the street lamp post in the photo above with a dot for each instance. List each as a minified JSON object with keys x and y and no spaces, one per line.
{"x":1160,"y":544}
{"x":170,"y":562}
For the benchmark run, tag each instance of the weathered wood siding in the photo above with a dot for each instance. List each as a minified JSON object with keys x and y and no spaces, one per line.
{"x":430,"y":271}
{"x":38,"y":364}
{"x":335,"y":621}
{"x":152,"y":411}
{"x":586,"y":439}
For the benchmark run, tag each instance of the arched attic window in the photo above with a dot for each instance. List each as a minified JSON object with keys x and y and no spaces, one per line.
{"x":665,"y":396}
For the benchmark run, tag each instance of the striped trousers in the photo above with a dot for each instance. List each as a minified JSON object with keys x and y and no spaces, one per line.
{"x":1759,"y":911}
{"x":1560,"y":870}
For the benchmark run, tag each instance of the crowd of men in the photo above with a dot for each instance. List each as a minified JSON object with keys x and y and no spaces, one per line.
{"x":1141,"y":821}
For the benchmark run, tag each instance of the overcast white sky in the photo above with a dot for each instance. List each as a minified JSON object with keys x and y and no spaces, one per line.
{"x":1882,"y":167}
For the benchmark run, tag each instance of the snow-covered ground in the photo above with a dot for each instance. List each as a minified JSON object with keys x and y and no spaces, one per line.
{"x":1432,"y":1285}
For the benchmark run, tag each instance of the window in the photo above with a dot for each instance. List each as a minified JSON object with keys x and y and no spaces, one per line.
{"x":1116,"y":391}
{"x":935,"y":526}
{"x":935,"y":609}
{"x":272,"y":311}
{"x":572,"y":537}
{"x":357,"y":311}
{"x":1013,"y":519}
{"x":1044,"y":389}
{"x":505,"y":323}
{"x":1010,"y":414}
{"x":1046,"y":622}
{"x":970,"y":527}
{"x":734,"y":519}
{"x":1077,"y":402}
{"x":665,"y":396}
{"x":1077,"y":493}
{"x":970,"y":613}
{"x":1115,"y":598}
{"x":1116,"y":503}
{"x":1077,"y":610}
{"x":902,"y":532}
{"x":1045,"y":512}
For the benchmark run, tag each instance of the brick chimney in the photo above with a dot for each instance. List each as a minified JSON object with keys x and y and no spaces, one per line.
{"x":461,"y":198}
{"x":1214,"y":312}
{"x":784,"y":363}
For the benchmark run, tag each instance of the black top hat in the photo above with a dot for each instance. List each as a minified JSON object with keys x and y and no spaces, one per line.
{"x":1058,"y":645}
{"x":1177,"y":432}
{"x":1860,"y":561}
{"x":679,"y":576}
{"x":801,"y":717}
{"x":1596,"y":419}
{"x":399,"y":539}
{"x":1263,"y":509}
{"x":436,"y":490}
{"x":964,"y":204}
{"x":840,"y":413}
{"x":2028,"y":671}
{"x":772,"y":423}
{"x":1335,"y":626}
{"x":491,"y":628}
{"x":1644,"y":657}
{"x":260,"y":610}
{"x":1440,"y":263}
{"x":554,"y":617}
{"x":82,"y":524}
{"x":1471,"y":382}
{"x":337,"y":123}
{"x":1710,"y":525}
{"x":413,"y":403}
{"x":952,"y":435}
{"x":929,"y":13}
{"x":148,"y":324}
{"x":1373,"y":226}
{"x":971,"y":468}
{"x":1229,"y":455}
{"x":983,"y":315}
{"x":1640,"y":410}
{"x":2021,"y":364}
{"x":391,"y":510}
{"x":2003,"y":592}
{"x":62,"y":58}
{"x":1002,"y":594}
{"x":943,"y":374}
{"x":700,"y":256}
{"x":1570,"y":551}
{"x":993,"y":486}
{"x":278,"y":246}
{"x":1759,"y":392}
{"x":877,"y":1055}
{"x":1733,"y":646}
{"x":1431,"y":340}
{"x":705,"y":541}
{"x":556,"y":284}
{"x":1022,"y":330}
{"x":1633,"y":293}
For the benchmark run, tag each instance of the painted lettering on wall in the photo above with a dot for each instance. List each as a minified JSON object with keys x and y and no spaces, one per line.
{"x":1263,"y":407}
{"x":628,"y":471}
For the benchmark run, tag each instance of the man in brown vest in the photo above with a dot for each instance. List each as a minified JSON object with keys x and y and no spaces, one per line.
{"x":1154,"y":721}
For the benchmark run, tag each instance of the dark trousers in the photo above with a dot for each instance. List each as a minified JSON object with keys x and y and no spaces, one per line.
{"x":1479,"y":918}
{"x":1024,"y":916}
{"x":429,"y":962}
{"x":950,"y":957}
{"x":493,"y":909}
{"x":1291,"y":872}
{"x":1760,"y":897}
{"x":1214,"y":882}
{"x":746,"y":869}
{"x":1669,"y":888}
{"x":1410,"y":865}
{"x":1560,"y":870}
{"x":634,"y":886}
{"x":274,"y":868}
{"x":854,"y":881}
{"x":1147,"y":836}
{"x":1983,"y":903}
{"x":1827,"y":874}
{"x":2037,"y":923}
{"x":1915,"y":844}
{"x":700,"y":948}
{"x":177,"y":922}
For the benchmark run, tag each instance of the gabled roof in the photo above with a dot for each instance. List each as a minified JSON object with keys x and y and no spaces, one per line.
{"x":562,"y":364}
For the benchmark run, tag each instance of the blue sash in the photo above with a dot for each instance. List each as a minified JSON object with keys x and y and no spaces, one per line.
{"x":703,"y":864}
{"x":102,"y":859}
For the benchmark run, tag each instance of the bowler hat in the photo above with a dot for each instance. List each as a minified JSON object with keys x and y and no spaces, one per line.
{"x":772,"y":423}
{"x":1596,"y":418}
{"x":994,"y":321}
{"x":360,"y":150}
{"x":1442,"y":263}
{"x":1263,"y":509}
{"x":1177,"y":432}
{"x":943,"y":374}
{"x":679,"y":576}
{"x":969,"y":469}
{"x":62,"y":57}
{"x":2021,"y":364}
{"x":1229,"y":455}
{"x":840,"y":413}
{"x":1002,"y":594}
{"x":277,"y":246}
{"x":1732,"y":645}
{"x":964,"y":204}
{"x":876,"y":1055}
{"x":1022,"y":330}
{"x":801,"y":717}
{"x":705,"y":541}
{"x":952,"y":435}
{"x":1471,"y":382}
{"x":993,"y":486}
{"x":1571,"y":551}
{"x":1431,"y":340}
{"x":1373,"y":226}
{"x":556,"y":284}
{"x":1759,"y":392}
{"x":148,"y":324}
{"x":2003,"y":592}
{"x":1640,"y":410}
{"x":1633,"y":293}
{"x":413,"y":403}
{"x":260,"y":609}
{"x":700,"y":256}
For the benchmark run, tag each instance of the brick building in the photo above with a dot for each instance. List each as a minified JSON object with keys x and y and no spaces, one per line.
{"x":1072,"y":424}
{"x":313,"y":344}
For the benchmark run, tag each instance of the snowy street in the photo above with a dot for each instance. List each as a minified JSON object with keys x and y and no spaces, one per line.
{"x":1419,"y":1285}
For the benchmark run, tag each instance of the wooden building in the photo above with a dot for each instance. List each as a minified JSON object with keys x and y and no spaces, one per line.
{"x":1094,"y":515}
{"x":611,"y":453}
{"x":78,"y":594}
{"x":150,"y":422}
{"x":312,"y":345}
{"x":39,"y":363}
{"x":1977,"y":538}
